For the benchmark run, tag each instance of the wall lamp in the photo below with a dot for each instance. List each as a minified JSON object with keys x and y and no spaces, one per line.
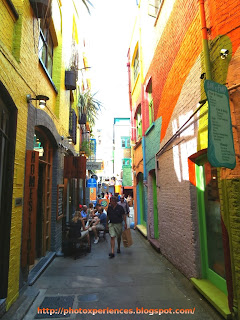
{"x":224,"y":53}
{"x":69,"y":139}
{"x":41,"y":98}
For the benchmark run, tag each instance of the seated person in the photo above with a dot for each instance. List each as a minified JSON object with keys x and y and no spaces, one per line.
{"x":84,"y":213}
{"x":99,"y":224}
{"x":77,"y":228}
{"x":90,"y":210}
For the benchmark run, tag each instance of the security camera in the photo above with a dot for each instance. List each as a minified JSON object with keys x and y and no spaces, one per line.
{"x":224,"y":53}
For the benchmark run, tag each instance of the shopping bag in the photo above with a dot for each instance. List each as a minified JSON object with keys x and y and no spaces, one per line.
{"x":127,"y":238}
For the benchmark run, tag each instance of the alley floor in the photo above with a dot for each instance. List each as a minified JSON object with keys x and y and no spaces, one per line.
{"x":136,"y":280}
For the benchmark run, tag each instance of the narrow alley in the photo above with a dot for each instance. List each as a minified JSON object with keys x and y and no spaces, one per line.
{"x":137,"y":278}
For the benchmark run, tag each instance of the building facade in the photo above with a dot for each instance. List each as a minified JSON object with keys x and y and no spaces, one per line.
{"x":39,"y":128}
{"x":187,"y":208}
{"x":121,"y":154}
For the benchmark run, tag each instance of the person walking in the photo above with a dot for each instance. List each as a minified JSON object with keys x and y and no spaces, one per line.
{"x":115,"y":217}
{"x":123,"y":202}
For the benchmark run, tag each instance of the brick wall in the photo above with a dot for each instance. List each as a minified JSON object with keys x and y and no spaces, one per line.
{"x":177,"y":209}
{"x":22,"y":74}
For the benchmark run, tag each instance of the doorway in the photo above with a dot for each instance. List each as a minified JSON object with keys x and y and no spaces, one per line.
{"x":140,"y":201}
{"x":154,"y":203}
{"x":211,"y":242}
{"x":8,"y":125}
{"x":43,"y":225}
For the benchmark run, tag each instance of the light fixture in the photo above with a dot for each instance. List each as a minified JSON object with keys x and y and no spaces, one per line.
{"x":69,"y":139}
{"x":224,"y":53}
{"x":41,"y":98}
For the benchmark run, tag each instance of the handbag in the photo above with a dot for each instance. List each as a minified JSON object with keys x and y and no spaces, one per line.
{"x":127,"y":238}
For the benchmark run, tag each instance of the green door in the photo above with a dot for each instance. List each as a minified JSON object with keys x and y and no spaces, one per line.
{"x":210,"y":228}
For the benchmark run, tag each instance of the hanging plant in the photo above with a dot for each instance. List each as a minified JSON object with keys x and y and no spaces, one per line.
{"x":89,"y":106}
{"x":86,"y":148}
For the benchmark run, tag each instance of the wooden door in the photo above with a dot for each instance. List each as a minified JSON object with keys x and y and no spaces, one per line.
{"x":45,"y":163}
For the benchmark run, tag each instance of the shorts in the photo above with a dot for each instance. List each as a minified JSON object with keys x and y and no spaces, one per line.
{"x":115,"y":230}
{"x":100,"y":227}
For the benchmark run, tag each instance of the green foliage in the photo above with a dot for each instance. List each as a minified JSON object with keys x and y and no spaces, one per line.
{"x":88,"y":105}
{"x":86,"y":2}
{"x":86,"y":148}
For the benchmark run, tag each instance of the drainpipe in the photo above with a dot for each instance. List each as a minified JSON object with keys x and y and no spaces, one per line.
{"x":144,"y":159}
{"x":205,"y":41}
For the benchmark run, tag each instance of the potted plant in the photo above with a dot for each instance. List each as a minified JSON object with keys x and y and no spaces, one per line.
{"x":86,"y":148}
{"x":71,"y":71}
{"x":70,"y":79}
{"x":82,"y":119}
{"x":88,"y":108}
{"x":41,"y":8}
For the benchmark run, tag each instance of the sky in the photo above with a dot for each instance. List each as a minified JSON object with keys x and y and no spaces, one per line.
{"x":110,"y":27}
{"x":109,"y":32}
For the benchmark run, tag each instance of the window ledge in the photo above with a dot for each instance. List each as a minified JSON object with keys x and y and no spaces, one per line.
{"x":142,"y":229}
{"x":150,"y":128}
{"x":48,"y":75}
{"x":215,"y":296}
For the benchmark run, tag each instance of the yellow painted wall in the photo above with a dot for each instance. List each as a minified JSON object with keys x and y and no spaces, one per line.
{"x":22,"y":74}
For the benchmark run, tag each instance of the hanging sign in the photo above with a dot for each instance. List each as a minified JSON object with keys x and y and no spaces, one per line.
{"x":221,"y":151}
{"x":93,"y":165}
{"x":74,"y":167}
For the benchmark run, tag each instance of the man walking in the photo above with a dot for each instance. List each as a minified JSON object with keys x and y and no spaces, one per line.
{"x":115,"y":216}
{"x":123,"y":202}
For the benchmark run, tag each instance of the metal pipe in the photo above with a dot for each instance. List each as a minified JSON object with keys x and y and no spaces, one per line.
{"x":205,"y":41}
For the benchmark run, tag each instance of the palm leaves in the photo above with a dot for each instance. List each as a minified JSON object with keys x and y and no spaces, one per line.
{"x":86,"y":2}
{"x":88,"y":105}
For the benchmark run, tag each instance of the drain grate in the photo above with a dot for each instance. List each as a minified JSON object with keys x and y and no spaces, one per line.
{"x":53,"y":307}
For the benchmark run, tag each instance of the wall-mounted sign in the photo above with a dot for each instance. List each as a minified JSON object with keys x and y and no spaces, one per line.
{"x":104,"y":203}
{"x":221,"y":151}
{"x":93,"y":165}
{"x":30,"y":208}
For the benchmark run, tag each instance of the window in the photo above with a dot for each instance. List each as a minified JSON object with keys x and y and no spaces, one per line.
{"x":126,"y":162}
{"x":139,"y":124}
{"x":46,"y":47}
{"x":136,"y":66}
{"x":125,"y":142}
{"x":153,"y":7}
{"x":150,"y":103}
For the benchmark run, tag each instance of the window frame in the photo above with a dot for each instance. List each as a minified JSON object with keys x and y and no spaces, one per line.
{"x":136,"y":66}
{"x":126,"y":144}
{"x":46,"y":48}
{"x":126,"y":159}
{"x":150,"y":102}
{"x":138,"y":118}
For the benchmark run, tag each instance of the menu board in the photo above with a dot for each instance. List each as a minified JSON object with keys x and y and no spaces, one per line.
{"x":60,"y":195}
{"x":221,"y":151}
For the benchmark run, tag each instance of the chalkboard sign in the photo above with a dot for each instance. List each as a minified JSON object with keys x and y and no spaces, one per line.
{"x":60,"y":193}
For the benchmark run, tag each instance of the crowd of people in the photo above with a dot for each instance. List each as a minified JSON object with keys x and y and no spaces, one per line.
{"x":114,"y":220}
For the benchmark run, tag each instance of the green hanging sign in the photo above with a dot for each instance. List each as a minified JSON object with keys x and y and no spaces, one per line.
{"x":221,"y":151}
